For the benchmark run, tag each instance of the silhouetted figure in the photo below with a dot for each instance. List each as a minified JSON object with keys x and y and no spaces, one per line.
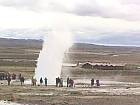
{"x":45,"y":81}
{"x":13,"y":76}
{"x":68,"y":79}
{"x":41,"y":81}
{"x":92,"y":81}
{"x":8,"y":75}
{"x":2,"y":76}
{"x":71,"y":82}
{"x":22,"y":80}
{"x":57,"y":82}
{"x":34,"y":81}
{"x":19,"y":76}
{"x":97,"y":82}
{"x":61,"y":82}
{"x":9,"y":80}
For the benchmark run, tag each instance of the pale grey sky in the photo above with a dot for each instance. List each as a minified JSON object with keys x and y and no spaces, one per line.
{"x":87,"y":19}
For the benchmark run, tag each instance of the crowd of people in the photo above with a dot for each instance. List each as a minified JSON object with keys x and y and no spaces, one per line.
{"x":93,"y":82}
{"x":9,"y":77}
{"x":70,"y":82}
{"x":4,"y":76}
{"x":59,"y":81}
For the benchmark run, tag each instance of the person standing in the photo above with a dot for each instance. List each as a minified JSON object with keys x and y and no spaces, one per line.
{"x":13,"y":76}
{"x":22,"y":80}
{"x":33,"y":81}
{"x":41,"y":81}
{"x":92,"y":82}
{"x":72,"y":83}
{"x":9,"y":80}
{"x":19,"y":76}
{"x":61,"y":82}
{"x":56,"y":82}
{"x":45,"y":81}
{"x":98,"y":83}
{"x":68,"y":80}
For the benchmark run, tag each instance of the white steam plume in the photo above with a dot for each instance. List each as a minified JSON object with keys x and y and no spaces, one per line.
{"x":50,"y":58}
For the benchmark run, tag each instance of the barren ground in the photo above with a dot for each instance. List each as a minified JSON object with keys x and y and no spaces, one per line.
{"x":19,"y":56}
{"x":41,"y":95}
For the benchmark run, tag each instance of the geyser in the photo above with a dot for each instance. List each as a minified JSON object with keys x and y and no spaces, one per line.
{"x":51,"y":57}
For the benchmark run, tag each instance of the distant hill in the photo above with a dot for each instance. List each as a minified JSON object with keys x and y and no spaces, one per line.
{"x":28,"y":50}
{"x":80,"y":47}
{"x":77,"y":47}
{"x":83,"y":52}
{"x":28,"y":43}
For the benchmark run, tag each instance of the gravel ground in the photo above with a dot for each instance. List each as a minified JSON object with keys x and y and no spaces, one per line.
{"x":40,"y":95}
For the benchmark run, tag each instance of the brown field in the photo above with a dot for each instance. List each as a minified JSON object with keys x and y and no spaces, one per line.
{"x":20,"y":56}
{"x":63,"y":96}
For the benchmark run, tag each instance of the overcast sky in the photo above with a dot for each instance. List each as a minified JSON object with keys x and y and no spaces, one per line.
{"x":89,"y":20}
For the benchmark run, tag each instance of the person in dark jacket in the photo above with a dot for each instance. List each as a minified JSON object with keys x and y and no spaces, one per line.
{"x":61,"y":82}
{"x":45,"y":81}
{"x":98,"y":83}
{"x":19,"y":76}
{"x":68,"y":81}
{"x":41,"y":81}
{"x":57,"y":82}
{"x":22,"y":80}
{"x":92,"y":82}
{"x":13,"y":76}
{"x":71,"y":82}
{"x":9,"y":80}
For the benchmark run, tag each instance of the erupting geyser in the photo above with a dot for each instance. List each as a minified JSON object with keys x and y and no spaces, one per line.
{"x":50,"y":59}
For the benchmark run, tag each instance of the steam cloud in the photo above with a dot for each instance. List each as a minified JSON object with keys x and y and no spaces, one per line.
{"x":51,"y":56}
